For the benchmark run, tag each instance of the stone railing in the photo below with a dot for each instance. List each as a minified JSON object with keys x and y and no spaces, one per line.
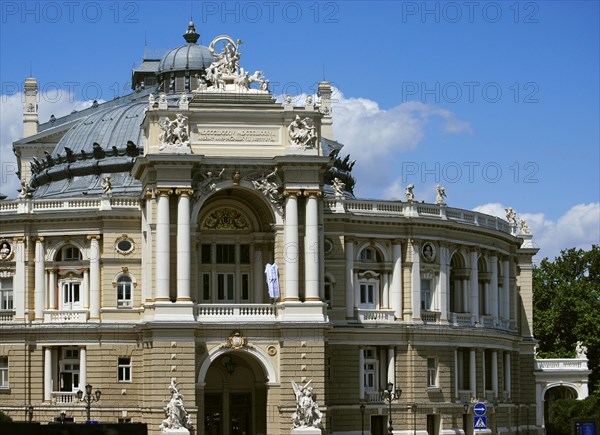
{"x":375,"y":315}
{"x":65,"y":316}
{"x":563,"y":364}
{"x":231,"y":312}
{"x":406,"y":209}
{"x":72,"y":204}
{"x":63,"y":397}
{"x":430,"y":316}
{"x":374,"y":396}
{"x":462,"y":319}
{"x":7,"y":315}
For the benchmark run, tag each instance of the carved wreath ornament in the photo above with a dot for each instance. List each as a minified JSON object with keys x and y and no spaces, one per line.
{"x":236,"y":341}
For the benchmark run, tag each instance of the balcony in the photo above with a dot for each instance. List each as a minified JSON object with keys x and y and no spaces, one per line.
{"x":235,"y":312}
{"x":7,"y":316}
{"x":430,"y":316}
{"x":462,"y":319}
{"x":561,"y":364}
{"x":374,"y":396}
{"x":65,"y":316}
{"x":374,"y":315}
{"x":60,"y":397}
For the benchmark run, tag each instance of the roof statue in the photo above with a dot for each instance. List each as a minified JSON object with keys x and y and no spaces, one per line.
{"x":224,"y":74}
{"x":511,"y":215}
{"x":441,"y":194}
{"x":524,"y":227}
{"x":581,"y":350}
{"x":338,"y":187}
{"x":107,"y":185}
{"x":410,"y":196}
{"x":177,"y":415}
{"x":307,"y":410}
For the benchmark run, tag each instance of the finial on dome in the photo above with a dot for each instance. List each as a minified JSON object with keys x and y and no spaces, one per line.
{"x":191,"y":37}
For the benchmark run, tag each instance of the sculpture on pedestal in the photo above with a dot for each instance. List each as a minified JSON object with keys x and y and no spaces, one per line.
{"x":302,"y":133}
{"x":441,"y":194}
{"x":410,"y":196}
{"x":174,"y":133}
{"x":177,"y":416}
{"x":307,"y":410}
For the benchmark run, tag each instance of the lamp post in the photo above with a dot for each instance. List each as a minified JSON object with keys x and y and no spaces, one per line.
{"x":30,"y":413}
{"x":466,"y":422}
{"x":413,"y":408}
{"x":389,"y":396}
{"x":88,"y":398}
{"x":362,"y":419}
{"x":528,"y":405}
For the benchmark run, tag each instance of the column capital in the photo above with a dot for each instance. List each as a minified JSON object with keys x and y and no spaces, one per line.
{"x":40,"y":239}
{"x":19,"y":239}
{"x":184,"y":191}
{"x":94,"y":237}
{"x":163,"y":191}
{"x":312,"y":192}
{"x":292,"y":192}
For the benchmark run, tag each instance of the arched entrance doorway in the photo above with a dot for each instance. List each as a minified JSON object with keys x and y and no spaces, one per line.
{"x":235,"y":395}
{"x":553,"y":394}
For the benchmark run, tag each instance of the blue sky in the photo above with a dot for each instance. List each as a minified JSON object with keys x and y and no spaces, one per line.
{"x":497,"y":101}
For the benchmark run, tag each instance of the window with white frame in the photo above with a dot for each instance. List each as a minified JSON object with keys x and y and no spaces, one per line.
{"x":432,"y":372}
{"x":3,"y":372}
{"x":370,"y":370}
{"x":6,"y":293}
{"x":69,"y":253}
{"x":368,"y":293}
{"x":124,"y":292}
{"x":368,"y":254}
{"x":426,"y":295}
{"x":226,"y":272}
{"x":124,"y":369}
{"x":69,"y":369}
{"x":70,"y":294}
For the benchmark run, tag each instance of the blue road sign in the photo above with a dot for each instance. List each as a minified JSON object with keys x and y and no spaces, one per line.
{"x":480,"y":422}
{"x":480,"y":409}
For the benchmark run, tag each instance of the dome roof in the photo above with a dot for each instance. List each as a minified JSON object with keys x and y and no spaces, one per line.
{"x":190,"y":56}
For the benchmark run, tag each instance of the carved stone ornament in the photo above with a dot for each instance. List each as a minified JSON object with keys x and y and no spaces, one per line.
{"x":267,"y":185}
{"x":302,"y":133}
{"x":224,"y":73}
{"x":236,"y":341}
{"x":307,"y":410}
{"x":6,"y":250}
{"x":175,"y":135}
{"x":177,"y":415}
{"x":225,"y":219}
{"x":428,"y":252}
{"x":410,"y":196}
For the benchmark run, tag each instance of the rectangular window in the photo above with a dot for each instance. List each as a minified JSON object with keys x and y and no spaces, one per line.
{"x":205,"y":255}
{"x":6,"y":293}
{"x":367,"y":294}
{"x":225,"y":254}
{"x":245,"y":254}
{"x":225,"y":286}
{"x":245,"y":287}
{"x":488,"y":369}
{"x":124,"y":293}
{"x":206,"y":286}
{"x":426,"y":294}
{"x":370,"y":370}
{"x":124,"y":369}
{"x":431,"y":372}
{"x":3,"y":372}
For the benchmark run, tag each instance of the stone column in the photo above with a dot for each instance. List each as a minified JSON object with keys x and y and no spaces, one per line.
{"x":19,"y":288}
{"x":396,"y":285}
{"x":356,"y":292}
{"x":444,"y":283}
{"x":82,"y":368}
{"x":311,"y":247}
{"x":416,"y":282}
{"x":474,"y":287}
{"x":391,"y":366}
{"x":495,"y":373}
{"x":465,"y":295}
{"x":361,"y":369}
{"x":47,"y":374}
{"x":385,"y":303}
{"x":259,"y":274}
{"x":507,"y":382}
{"x":349,"y":250}
{"x":85,"y":289}
{"x":494,"y":285}
{"x":163,"y":254}
{"x":52,"y":288}
{"x":291,"y":250}
{"x":40,"y":282}
{"x":505,"y":290}
{"x":183,"y":244}
{"x":456,"y":371}
{"x":94,"y":277}
{"x":473,"y":372}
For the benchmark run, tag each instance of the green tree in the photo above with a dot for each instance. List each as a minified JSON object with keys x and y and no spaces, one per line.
{"x":566,"y":307}
{"x":5,"y":418}
{"x":563,"y":412}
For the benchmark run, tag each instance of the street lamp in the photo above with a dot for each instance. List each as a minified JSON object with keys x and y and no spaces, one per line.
{"x":414,"y":411}
{"x":528,"y":405}
{"x":30,"y":413}
{"x":466,"y":417}
{"x":389,"y":396}
{"x":362,"y":419}
{"x":88,"y":398}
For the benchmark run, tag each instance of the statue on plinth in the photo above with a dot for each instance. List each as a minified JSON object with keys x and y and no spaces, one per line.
{"x":178,"y":418}
{"x":307,"y":410}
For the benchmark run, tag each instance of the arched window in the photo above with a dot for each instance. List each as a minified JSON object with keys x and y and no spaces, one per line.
{"x":124,"y":292}
{"x":69,"y":253}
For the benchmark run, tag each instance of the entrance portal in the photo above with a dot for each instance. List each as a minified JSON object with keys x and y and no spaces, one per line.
{"x":235,"y":396}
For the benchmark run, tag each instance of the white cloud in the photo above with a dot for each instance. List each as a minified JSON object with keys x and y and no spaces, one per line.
{"x":11,"y":129}
{"x":578,"y":227}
